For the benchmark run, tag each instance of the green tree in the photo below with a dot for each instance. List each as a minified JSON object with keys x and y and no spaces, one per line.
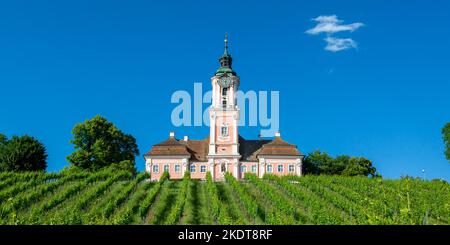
{"x":339,"y":164}
{"x":125,"y":165}
{"x":319,"y":162}
{"x":23,"y":153}
{"x":446,"y":138}
{"x":99,"y":143}
{"x":359,"y":166}
{"x":3,"y":139}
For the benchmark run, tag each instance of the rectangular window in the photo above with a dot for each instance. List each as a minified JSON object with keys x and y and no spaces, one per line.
{"x":192,"y":168}
{"x":166,"y":168}
{"x":177,"y":168}
{"x":254,"y":168}
{"x":224,"y":130}
{"x":224,"y":91}
{"x":203,"y":169}
{"x":280,"y":168}
{"x":155,"y":169}
{"x":243,"y":169}
{"x":291,"y":168}
{"x":269,"y":168}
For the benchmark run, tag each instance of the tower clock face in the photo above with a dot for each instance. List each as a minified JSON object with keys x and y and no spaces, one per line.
{"x":226,"y":81}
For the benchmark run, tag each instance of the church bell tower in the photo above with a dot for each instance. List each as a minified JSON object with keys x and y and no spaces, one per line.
{"x":224,"y":112}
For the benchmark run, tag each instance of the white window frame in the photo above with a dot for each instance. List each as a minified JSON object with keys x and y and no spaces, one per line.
{"x":177,"y":168}
{"x":155,"y":168}
{"x":166,"y":166}
{"x":254,"y":168}
{"x":192,"y":168}
{"x":224,"y":131}
{"x":282,"y":168}
{"x":291,"y":168}
{"x":269,"y":168}
{"x":243,"y":169}
{"x":203,"y":169}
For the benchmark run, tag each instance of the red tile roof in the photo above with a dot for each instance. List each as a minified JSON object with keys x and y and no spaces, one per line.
{"x":279,"y":147}
{"x":170,"y":147}
{"x":250,"y":150}
{"x":199,"y":149}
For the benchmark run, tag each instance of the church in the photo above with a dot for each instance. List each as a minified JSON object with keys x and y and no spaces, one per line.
{"x":224,"y":150}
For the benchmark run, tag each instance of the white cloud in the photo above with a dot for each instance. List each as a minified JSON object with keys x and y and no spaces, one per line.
{"x":327,"y":18}
{"x":331,"y":24}
{"x":338,"y":44}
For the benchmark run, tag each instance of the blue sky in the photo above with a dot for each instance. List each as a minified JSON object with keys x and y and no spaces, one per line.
{"x":62,"y":62}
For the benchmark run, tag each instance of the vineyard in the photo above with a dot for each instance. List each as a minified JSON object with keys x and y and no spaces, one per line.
{"x":117,"y":197}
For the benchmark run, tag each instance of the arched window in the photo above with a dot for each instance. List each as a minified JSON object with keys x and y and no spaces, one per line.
{"x":224,"y":91}
{"x":166,"y":168}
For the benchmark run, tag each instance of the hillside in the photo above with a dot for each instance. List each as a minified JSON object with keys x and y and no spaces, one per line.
{"x":114,"y":197}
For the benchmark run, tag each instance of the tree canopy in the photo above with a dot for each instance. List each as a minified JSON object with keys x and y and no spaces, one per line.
{"x":446,"y":138}
{"x":23,"y":153}
{"x":319,"y":162}
{"x":99,"y":143}
{"x":3,"y":139}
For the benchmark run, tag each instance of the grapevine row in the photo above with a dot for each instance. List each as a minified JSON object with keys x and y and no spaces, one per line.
{"x":177,"y":209}
{"x":283,"y":204}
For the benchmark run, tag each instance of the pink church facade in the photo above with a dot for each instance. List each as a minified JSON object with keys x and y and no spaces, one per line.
{"x":224,"y":150}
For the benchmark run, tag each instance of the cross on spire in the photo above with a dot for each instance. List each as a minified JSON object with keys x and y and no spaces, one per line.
{"x":226,"y":44}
